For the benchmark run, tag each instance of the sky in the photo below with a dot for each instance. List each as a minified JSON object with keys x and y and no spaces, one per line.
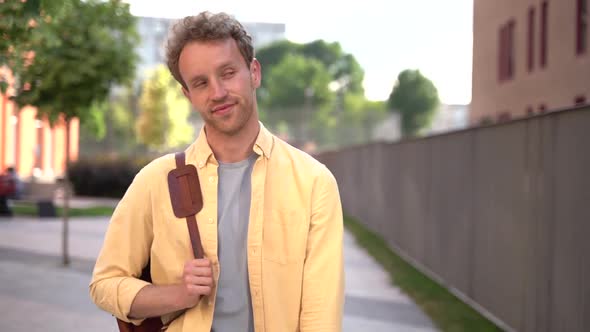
{"x":385,"y":36}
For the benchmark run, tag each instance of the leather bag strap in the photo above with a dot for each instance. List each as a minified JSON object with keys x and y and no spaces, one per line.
{"x":187,"y":200}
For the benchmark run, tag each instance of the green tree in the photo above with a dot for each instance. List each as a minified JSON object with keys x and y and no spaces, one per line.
{"x":78,"y":56}
{"x":110,"y":127}
{"x":95,"y":125}
{"x":416,"y":99}
{"x":298,"y":93}
{"x":342,"y":66}
{"x":164,"y":111}
{"x":300,"y":83}
{"x":270,"y":55}
{"x":121,"y":120}
{"x":68,"y":60}
{"x":18,"y":23}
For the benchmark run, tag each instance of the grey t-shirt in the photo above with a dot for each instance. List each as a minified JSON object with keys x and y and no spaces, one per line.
{"x":233,"y":305}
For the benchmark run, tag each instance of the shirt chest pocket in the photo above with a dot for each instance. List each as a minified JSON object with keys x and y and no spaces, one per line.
{"x":284,"y":236}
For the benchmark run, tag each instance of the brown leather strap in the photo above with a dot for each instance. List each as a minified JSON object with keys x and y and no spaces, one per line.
{"x":191,"y":220}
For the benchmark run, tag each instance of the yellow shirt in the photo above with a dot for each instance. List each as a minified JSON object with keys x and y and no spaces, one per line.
{"x":295,"y":259}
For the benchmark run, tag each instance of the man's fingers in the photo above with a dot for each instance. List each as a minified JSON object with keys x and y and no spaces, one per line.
{"x":199,"y":281}
{"x":197,"y":277}
{"x":202,"y":262}
{"x":199,"y":290}
{"x":198,"y":271}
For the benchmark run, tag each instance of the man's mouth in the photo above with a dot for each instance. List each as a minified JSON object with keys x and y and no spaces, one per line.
{"x":222,"y":109}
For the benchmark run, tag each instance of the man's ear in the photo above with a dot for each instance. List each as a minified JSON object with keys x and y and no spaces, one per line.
{"x":186,"y":93}
{"x":256,"y":73}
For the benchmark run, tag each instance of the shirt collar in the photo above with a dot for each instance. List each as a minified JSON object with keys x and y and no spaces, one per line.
{"x":201,"y":152}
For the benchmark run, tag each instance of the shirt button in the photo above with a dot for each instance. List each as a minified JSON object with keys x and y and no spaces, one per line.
{"x":211,"y":179}
{"x":201,"y":164}
{"x":210,"y":220}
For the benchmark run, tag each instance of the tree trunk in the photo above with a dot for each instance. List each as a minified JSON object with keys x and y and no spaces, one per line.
{"x":66,"y":198}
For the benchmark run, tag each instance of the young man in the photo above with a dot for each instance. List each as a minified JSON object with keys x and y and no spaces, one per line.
{"x":271,"y":223}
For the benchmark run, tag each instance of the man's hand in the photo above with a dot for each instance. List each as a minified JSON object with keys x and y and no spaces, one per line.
{"x":197,"y":281}
{"x":153,"y":301}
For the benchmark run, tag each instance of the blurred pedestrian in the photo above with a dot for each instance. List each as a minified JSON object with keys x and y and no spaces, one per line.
{"x":271,"y":225}
{"x":10,"y":188}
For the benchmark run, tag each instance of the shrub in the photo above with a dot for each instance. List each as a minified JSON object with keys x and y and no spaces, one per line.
{"x":103,"y":176}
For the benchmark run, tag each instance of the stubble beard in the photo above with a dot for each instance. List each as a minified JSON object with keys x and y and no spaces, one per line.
{"x":236,"y":121}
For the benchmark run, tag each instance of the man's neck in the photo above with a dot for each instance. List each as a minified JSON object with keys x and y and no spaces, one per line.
{"x":232,"y":149}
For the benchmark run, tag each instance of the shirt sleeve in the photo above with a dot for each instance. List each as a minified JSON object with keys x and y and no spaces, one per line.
{"x":125,"y":251}
{"x":323,"y":275}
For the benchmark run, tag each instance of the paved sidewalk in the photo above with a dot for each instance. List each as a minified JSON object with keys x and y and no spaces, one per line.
{"x":37,"y":294}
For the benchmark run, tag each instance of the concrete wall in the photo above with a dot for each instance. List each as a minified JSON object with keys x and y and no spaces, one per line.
{"x":499,"y":214}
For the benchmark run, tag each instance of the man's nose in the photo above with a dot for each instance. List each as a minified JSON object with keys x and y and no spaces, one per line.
{"x":217,"y":90}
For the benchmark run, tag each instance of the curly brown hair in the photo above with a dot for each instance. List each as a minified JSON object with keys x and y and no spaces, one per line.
{"x":206,"y":27}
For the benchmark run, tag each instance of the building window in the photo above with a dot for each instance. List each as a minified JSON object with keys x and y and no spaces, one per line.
{"x":531,"y":41}
{"x":506,"y":60}
{"x":581,"y":27}
{"x":511,"y":58}
{"x":15,"y":140}
{"x":501,"y":37}
{"x":580,"y":101}
{"x":544,"y":23}
{"x":39,"y":146}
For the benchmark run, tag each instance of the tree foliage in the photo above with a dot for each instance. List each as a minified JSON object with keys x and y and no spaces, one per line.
{"x":65,"y":57}
{"x":164,"y":111}
{"x":415,"y":97}
{"x":110,"y":127}
{"x":304,"y":84}
{"x":298,"y":92}
{"x":71,"y":56}
{"x":18,"y":23}
{"x":342,"y":67}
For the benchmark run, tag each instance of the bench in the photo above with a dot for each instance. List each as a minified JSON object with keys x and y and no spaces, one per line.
{"x":39,"y":194}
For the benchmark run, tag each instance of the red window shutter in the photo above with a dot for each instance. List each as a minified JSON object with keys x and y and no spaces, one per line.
{"x":581,"y":26}
{"x":511,"y":59}
{"x":531,"y":41}
{"x":544,"y":23}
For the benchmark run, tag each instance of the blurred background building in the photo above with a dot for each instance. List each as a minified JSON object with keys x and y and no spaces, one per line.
{"x":153,"y":32}
{"x":529,"y":56}
{"x":31,"y":145}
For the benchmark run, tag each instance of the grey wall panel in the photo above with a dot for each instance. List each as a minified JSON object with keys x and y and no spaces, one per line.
{"x":414,"y":200}
{"x":501,"y":213}
{"x":449,"y":246}
{"x":539,"y":178}
{"x":501,"y":235}
{"x":572,"y":215}
{"x":393,"y":192}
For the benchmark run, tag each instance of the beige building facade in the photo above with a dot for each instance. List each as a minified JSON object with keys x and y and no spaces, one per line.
{"x":529,"y":57}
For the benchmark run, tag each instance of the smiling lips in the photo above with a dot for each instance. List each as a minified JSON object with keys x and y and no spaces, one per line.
{"x":222,"y":109}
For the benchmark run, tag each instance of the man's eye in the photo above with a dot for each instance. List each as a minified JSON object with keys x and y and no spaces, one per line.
{"x":229,"y":73}
{"x":199,"y":84}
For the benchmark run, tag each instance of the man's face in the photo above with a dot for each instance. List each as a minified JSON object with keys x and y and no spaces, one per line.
{"x":220,"y":85}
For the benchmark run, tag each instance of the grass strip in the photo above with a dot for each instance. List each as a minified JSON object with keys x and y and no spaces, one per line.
{"x":448,"y":313}
{"x":30,"y":210}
